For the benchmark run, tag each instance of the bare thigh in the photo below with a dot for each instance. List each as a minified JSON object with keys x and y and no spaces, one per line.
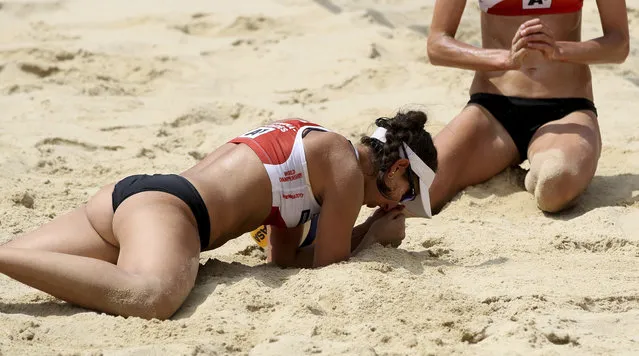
{"x":471,"y":149}
{"x":158,"y":239}
{"x":564,"y":154}
{"x":577,"y":134}
{"x":73,"y":233}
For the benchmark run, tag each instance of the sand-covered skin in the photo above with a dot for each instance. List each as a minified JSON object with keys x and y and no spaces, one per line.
{"x":93,"y":91}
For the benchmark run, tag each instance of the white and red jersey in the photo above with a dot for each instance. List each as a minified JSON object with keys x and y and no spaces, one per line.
{"x":529,"y":7}
{"x":279,"y":146}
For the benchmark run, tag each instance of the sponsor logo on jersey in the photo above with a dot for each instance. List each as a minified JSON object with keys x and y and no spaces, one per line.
{"x":293,"y":196}
{"x":290,"y":176}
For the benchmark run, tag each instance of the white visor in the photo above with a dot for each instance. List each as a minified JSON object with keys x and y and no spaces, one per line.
{"x":420,"y":206}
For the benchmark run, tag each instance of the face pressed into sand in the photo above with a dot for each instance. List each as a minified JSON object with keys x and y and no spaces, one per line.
{"x":396,"y":179}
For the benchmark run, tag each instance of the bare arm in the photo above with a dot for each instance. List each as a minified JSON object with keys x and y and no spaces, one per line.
{"x":612,"y":47}
{"x":284,"y":252}
{"x":339,"y":182}
{"x":445,"y":50}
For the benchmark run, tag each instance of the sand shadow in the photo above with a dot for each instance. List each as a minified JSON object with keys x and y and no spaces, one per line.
{"x":210,"y":275}
{"x":215,"y":272}
{"x":417,"y":262}
{"x":328,"y":5}
{"x":508,"y":182}
{"x":603,"y":191}
{"x":44,"y":309}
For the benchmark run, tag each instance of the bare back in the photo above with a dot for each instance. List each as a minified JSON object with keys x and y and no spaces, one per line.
{"x":236,"y":189}
{"x":239,"y":196}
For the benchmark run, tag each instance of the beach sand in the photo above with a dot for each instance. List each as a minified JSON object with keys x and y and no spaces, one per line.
{"x":91,"y":92}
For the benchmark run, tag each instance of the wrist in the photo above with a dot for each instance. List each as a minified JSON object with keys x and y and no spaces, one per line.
{"x":505,"y":61}
{"x":558,"y":55}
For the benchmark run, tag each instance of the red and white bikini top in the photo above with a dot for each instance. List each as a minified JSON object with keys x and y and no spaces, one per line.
{"x":529,"y":7}
{"x":279,"y":146}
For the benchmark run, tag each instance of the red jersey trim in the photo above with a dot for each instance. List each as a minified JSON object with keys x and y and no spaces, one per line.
{"x":516,"y":8}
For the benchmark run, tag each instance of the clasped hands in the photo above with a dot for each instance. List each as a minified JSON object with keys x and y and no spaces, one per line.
{"x":533,"y":34}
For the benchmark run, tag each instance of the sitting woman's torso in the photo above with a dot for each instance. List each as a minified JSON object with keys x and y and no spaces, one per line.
{"x":537,"y":77}
{"x":271,"y":185}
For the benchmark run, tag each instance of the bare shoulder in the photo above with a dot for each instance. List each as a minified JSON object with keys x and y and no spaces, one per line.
{"x":330,"y":149}
{"x":332,"y":164}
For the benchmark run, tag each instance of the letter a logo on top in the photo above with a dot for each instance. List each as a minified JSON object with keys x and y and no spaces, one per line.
{"x":536,"y":4}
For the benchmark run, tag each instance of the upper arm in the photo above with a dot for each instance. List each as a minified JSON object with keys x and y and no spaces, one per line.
{"x":342,"y":198}
{"x":446,"y":17}
{"x":614,"y":18}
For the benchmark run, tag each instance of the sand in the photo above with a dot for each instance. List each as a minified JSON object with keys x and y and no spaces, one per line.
{"x":93,"y":91}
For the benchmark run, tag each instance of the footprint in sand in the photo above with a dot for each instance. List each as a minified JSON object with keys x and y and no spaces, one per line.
{"x":199,"y":27}
{"x":92,"y":74}
{"x":613,"y":304}
{"x":243,"y":25}
{"x":219,"y":113}
{"x":57,"y":141}
{"x":604,"y":245}
{"x":27,"y":8}
{"x":302,"y":96}
{"x":41,"y":70}
{"x":330,"y":6}
{"x":53,"y":162}
{"x":371,"y":80}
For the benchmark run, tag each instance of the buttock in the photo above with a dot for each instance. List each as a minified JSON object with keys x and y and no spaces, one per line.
{"x":173,"y":184}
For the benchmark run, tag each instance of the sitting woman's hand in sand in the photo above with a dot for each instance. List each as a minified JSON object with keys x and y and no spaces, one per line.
{"x":388,"y":228}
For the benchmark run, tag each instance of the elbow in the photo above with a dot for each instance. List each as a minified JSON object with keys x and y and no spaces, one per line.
{"x":621,"y":48}
{"x":434,"y":49}
{"x":624,"y":51}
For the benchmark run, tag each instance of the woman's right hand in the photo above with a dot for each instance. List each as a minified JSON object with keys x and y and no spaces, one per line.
{"x":518,"y":50}
{"x":389,"y":228}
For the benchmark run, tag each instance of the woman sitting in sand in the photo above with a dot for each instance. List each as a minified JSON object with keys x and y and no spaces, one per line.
{"x":133,"y":249}
{"x":531,"y":97}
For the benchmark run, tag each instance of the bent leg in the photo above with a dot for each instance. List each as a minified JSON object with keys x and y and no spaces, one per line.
{"x":563,"y":158}
{"x":74,"y":233}
{"x":156,"y":269}
{"x":471,"y":149}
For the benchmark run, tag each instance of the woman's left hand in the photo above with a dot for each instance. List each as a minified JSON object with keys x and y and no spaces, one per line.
{"x":539,"y":36}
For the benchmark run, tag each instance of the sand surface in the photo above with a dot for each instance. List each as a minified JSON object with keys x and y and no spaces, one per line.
{"x":92,"y":91}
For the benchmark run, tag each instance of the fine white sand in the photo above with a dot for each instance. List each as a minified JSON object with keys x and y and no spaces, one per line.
{"x":92,"y":91}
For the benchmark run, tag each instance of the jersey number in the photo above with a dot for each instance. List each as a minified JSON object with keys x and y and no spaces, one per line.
{"x":536,"y":4}
{"x":258,"y":132}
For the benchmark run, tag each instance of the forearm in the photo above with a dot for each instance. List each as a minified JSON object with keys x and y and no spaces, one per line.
{"x":304,"y":257}
{"x":446,"y":51}
{"x":606,"y":49}
{"x":358,"y":237}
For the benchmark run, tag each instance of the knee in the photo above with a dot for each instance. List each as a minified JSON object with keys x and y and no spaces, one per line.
{"x":156,"y":300}
{"x":554,"y":181}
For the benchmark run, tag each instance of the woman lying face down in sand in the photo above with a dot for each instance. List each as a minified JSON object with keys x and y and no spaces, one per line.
{"x":133,"y":249}
{"x":531,"y":97}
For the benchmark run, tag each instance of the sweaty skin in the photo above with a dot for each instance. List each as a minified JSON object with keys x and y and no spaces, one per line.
{"x":540,"y":56}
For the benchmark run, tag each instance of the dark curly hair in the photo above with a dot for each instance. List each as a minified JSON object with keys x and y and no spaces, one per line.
{"x":405,"y":127}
